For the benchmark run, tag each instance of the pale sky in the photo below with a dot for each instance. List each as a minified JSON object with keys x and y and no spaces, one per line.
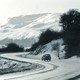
{"x":10,"y":8}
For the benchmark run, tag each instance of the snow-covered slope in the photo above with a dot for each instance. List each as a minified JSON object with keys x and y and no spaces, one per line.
{"x":54,"y":48}
{"x":25,"y":30}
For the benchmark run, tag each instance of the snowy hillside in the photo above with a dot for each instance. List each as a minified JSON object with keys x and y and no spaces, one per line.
{"x":51,"y":48}
{"x":25,"y":30}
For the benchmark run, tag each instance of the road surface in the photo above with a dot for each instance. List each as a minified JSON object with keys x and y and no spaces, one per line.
{"x":53,"y":70}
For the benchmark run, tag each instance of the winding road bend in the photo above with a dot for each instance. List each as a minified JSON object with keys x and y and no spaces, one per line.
{"x":53,"y":70}
{"x":27,"y":75}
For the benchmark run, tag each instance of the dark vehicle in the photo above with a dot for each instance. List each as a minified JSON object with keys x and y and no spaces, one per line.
{"x":46,"y":57}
